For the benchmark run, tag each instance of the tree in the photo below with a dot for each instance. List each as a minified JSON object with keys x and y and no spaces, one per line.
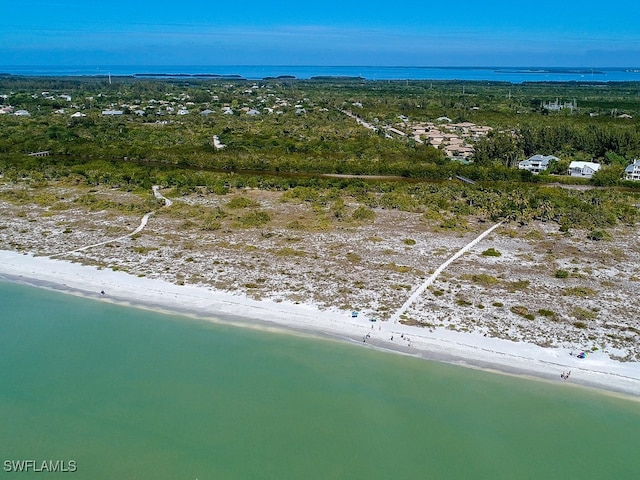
{"x":608,"y":175}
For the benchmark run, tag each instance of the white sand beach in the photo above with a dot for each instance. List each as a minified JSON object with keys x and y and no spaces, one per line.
{"x":475,"y":350}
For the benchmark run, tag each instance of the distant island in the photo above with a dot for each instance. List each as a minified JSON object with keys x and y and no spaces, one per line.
{"x":195,"y":75}
{"x":568,"y":71}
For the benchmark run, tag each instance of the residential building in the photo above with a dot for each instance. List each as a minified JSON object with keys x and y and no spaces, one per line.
{"x":537,"y":163}
{"x":557,"y":106}
{"x":583,"y":169}
{"x":632,"y":172}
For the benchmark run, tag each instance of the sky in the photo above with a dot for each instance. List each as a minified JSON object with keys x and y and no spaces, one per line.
{"x":330,"y":32}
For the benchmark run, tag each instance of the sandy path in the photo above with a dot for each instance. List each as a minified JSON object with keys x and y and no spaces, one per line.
{"x":143,"y":223}
{"x":159,"y":196}
{"x":394,"y":318}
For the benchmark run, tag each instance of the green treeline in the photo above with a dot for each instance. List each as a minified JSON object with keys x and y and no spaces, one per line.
{"x":610,"y":144}
{"x":449,"y":201}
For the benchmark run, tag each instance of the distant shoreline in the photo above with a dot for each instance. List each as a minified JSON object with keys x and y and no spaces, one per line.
{"x":519,"y":74}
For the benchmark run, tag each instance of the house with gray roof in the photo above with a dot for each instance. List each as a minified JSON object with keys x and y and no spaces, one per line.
{"x":632,"y":172}
{"x":537,"y":163}
{"x":583,"y":169}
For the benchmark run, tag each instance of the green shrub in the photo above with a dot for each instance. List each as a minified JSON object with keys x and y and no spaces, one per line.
{"x":582,"y":292}
{"x":491,"y":252}
{"x":548,"y":313}
{"x":583,"y":314}
{"x":453,"y":223}
{"x":409,"y":241}
{"x":254,"y":219}
{"x":363,"y":214}
{"x":241,"y":202}
{"x":523,"y":312}
{"x":211,"y":225}
{"x":598,"y":235}
{"x":398,"y":268}
{"x":354,"y":257}
{"x":562,"y":274}
{"x":518,"y":285}
{"x":484,"y":279}
{"x":290,"y":252}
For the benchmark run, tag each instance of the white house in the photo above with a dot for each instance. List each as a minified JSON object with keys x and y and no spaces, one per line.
{"x":537,"y":163}
{"x":632,"y":172}
{"x":112,"y":112}
{"x":583,"y":169}
{"x":22,"y":113}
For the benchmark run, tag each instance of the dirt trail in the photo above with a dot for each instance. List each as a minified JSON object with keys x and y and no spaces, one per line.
{"x":143,"y":223}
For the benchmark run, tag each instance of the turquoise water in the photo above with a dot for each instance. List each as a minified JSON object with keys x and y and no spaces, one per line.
{"x":132,"y":394}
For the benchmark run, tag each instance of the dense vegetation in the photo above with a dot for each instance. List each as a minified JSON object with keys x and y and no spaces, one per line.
{"x":282,"y":133}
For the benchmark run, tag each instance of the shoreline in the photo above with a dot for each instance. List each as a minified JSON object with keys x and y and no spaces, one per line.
{"x":470,"y":350}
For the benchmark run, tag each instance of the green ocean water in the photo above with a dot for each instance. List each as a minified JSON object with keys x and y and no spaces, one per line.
{"x":132,"y":394}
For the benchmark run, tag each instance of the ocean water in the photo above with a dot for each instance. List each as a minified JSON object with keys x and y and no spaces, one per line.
{"x":253,"y":72}
{"x":133,"y":394}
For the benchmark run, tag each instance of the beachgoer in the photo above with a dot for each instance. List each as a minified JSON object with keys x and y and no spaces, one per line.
{"x":392,"y":338}
{"x":101,"y":292}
